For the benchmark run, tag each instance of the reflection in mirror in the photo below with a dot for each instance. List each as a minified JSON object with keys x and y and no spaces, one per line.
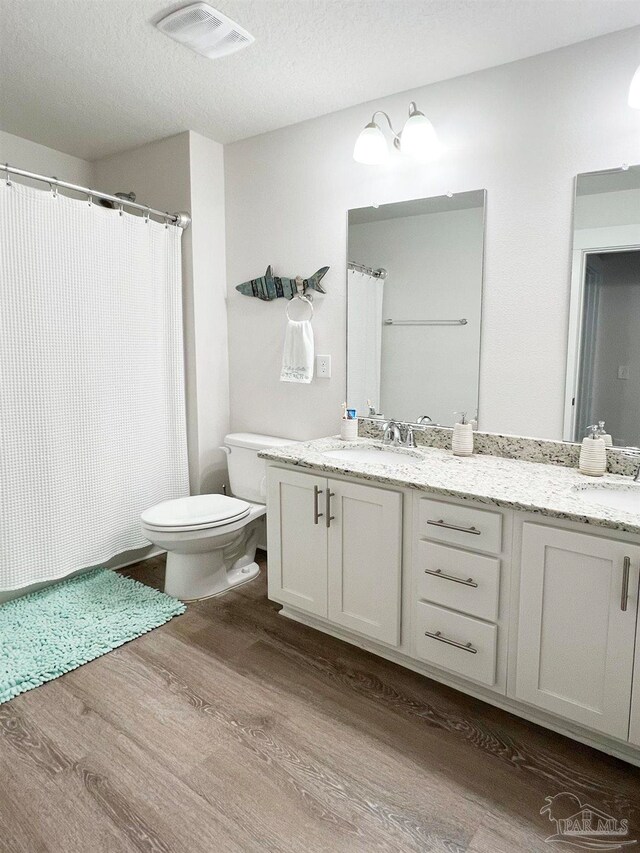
{"x":414,"y":299}
{"x":603,"y":361}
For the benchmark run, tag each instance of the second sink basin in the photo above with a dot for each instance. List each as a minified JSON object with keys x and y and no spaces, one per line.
{"x":625,"y":497}
{"x":373,"y":456}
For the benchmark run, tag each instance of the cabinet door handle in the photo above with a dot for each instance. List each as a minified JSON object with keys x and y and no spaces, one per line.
{"x":465,"y":647}
{"x":316,"y":512}
{"x":626,"y":567}
{"x":438,"y":573}
{"x":441,"y":523}
{"x":327,"y":507}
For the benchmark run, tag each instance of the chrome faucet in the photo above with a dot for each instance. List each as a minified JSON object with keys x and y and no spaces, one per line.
{"x":391,"y":433}
{"x":409,"y":438}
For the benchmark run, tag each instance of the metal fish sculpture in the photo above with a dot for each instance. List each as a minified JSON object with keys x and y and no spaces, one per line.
{"x":270,"y":286}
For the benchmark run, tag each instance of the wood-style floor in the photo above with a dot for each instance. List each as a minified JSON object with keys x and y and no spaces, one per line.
{"x":234,"y":729}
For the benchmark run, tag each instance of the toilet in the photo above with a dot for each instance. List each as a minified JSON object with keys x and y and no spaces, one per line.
{"x":211,"y":540}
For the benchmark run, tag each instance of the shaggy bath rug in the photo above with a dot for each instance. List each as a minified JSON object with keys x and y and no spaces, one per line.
{"x":57,"y":629}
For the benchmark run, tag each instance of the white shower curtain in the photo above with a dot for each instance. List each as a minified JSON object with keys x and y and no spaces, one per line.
{"x":364,"y":318}
{"x":92,"y":417}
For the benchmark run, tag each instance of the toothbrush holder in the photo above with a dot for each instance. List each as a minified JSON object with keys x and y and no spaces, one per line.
{"x":349,"y":429}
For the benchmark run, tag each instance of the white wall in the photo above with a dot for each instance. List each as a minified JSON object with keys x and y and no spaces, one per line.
{"x":185,"y":172}
{"x":434,"y":265}
{"x":45,"y":161}
{"x":522,"y":131}
{"x":209,"y":308}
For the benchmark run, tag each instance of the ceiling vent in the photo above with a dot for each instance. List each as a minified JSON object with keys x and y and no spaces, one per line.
{"x":205,"y":30}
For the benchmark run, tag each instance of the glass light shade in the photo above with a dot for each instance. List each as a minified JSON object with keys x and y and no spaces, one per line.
{"x":419,"y":139}
{"x":371,"y":146}
{"x":634,"y":91}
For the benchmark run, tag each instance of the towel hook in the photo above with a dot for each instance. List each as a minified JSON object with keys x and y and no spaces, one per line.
{"x":303,"y":299}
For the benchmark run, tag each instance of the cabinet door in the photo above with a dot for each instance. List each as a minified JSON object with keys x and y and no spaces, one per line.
{"x":634,"y":727}
{"x":576,"y":626}
{"x":297,"y":535}
{"x":365,"y":560}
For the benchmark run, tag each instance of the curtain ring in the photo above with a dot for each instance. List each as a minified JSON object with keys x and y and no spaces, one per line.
{"x":147,"y":215}
{"x":167,"y":219}
{"x":303,"y":299}
{"x":120,"y":208}
{"x":8,"y":181}
{"x":90,"y":199}
{"x":54,"y":186}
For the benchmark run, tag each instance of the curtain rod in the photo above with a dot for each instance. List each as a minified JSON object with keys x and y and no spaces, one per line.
{"x":379,"y":273}
{"x":182,"y":220}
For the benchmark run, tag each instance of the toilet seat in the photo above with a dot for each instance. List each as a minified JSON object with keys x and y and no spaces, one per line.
{"x":198,"y":512}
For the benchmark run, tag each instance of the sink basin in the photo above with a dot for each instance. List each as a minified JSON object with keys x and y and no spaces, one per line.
{"x":373,"y":456}
{"x":624,"y":497}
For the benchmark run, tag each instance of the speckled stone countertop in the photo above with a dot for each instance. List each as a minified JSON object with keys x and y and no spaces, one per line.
{"x":528,"y":486}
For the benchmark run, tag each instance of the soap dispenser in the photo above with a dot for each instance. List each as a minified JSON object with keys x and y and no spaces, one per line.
{"x":593,"y":454}
{"x":604,"y":435}
{"x":462,"y":441}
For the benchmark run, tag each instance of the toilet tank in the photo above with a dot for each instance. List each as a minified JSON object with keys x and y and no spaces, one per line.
{"x":248,"y":473}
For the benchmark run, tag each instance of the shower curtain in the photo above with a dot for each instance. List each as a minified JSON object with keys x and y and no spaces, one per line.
{"x":364,"y":318}
{"x":92,"y":416}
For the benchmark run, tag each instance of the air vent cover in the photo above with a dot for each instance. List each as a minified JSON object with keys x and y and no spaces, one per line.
{"x":205,"y":30}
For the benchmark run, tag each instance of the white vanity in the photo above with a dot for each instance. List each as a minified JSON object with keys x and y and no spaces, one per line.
{"x":502,"y":578}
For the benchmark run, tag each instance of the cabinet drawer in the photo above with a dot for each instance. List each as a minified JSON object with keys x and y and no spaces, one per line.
{"x":458,"y":579}
{"x":479,"y":529}
{"x":463,"y":645}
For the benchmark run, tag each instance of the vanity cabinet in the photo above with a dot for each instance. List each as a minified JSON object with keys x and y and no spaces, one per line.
{"x":577,"y":626}
{"x":335,"y":551}
{"x":534,"y":614}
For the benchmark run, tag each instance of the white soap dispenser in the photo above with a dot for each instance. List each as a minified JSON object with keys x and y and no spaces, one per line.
{"x":462,"y":441}
{"x":593,"y":454}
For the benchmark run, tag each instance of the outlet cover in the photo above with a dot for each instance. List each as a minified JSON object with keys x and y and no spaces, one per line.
{"x":323,"y":366}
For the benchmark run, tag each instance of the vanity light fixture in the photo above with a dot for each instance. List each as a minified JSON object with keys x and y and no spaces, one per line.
{"x":634,"y":90}
{"x":417,"y":139}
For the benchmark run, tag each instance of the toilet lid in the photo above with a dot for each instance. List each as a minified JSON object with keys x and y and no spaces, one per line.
{"x":205,"y":510}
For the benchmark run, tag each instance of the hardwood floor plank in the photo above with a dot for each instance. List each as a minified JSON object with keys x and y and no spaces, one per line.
{"x":232,"y":728}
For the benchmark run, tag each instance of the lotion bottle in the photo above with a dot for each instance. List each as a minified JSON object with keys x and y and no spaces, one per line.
{"x":593,"y":454}
{"x":462,"y":441}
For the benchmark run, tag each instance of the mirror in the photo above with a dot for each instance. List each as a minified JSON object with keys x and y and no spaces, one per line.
{"x":603,"y":357}
{"x":414,"y":303}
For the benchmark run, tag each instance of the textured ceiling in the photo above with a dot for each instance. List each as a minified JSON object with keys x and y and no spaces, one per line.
{"x":92,"y":77}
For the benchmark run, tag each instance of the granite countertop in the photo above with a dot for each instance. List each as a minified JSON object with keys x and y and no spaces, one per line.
{"x":552,"y":490}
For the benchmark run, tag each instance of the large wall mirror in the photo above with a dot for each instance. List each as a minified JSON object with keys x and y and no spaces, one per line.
{"x":603,"y":362}
{"x":414,"y":304}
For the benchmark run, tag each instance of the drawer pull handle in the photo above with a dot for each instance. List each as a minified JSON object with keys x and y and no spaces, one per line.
{"x":438,"y":573}
{"x":441,"y":523}
{"x":626,"y":567}
{"x":466,"y":647}
{"x":328,"y":518}
{"x":316,"y":513}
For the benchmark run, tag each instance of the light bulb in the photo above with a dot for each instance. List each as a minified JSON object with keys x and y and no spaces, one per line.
{"x":418,"y":138}
{"x":371,"y":146}
{"x":634,"y":91}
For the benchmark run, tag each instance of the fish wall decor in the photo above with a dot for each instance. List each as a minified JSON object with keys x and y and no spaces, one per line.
{"x":270,"y":286}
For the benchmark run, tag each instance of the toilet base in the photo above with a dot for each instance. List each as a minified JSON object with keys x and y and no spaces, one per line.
{"x":191,"y":577}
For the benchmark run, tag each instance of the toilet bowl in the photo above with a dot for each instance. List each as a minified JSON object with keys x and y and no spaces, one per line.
{"x":211,"y":540}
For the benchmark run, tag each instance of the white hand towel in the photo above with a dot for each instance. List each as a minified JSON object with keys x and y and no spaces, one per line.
{"x":297,"y":358}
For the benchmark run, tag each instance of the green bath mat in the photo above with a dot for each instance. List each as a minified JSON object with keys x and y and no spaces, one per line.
{"x":57,"y":629}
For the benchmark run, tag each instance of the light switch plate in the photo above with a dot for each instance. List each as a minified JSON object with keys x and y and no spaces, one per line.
{"x":323,"y":366}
